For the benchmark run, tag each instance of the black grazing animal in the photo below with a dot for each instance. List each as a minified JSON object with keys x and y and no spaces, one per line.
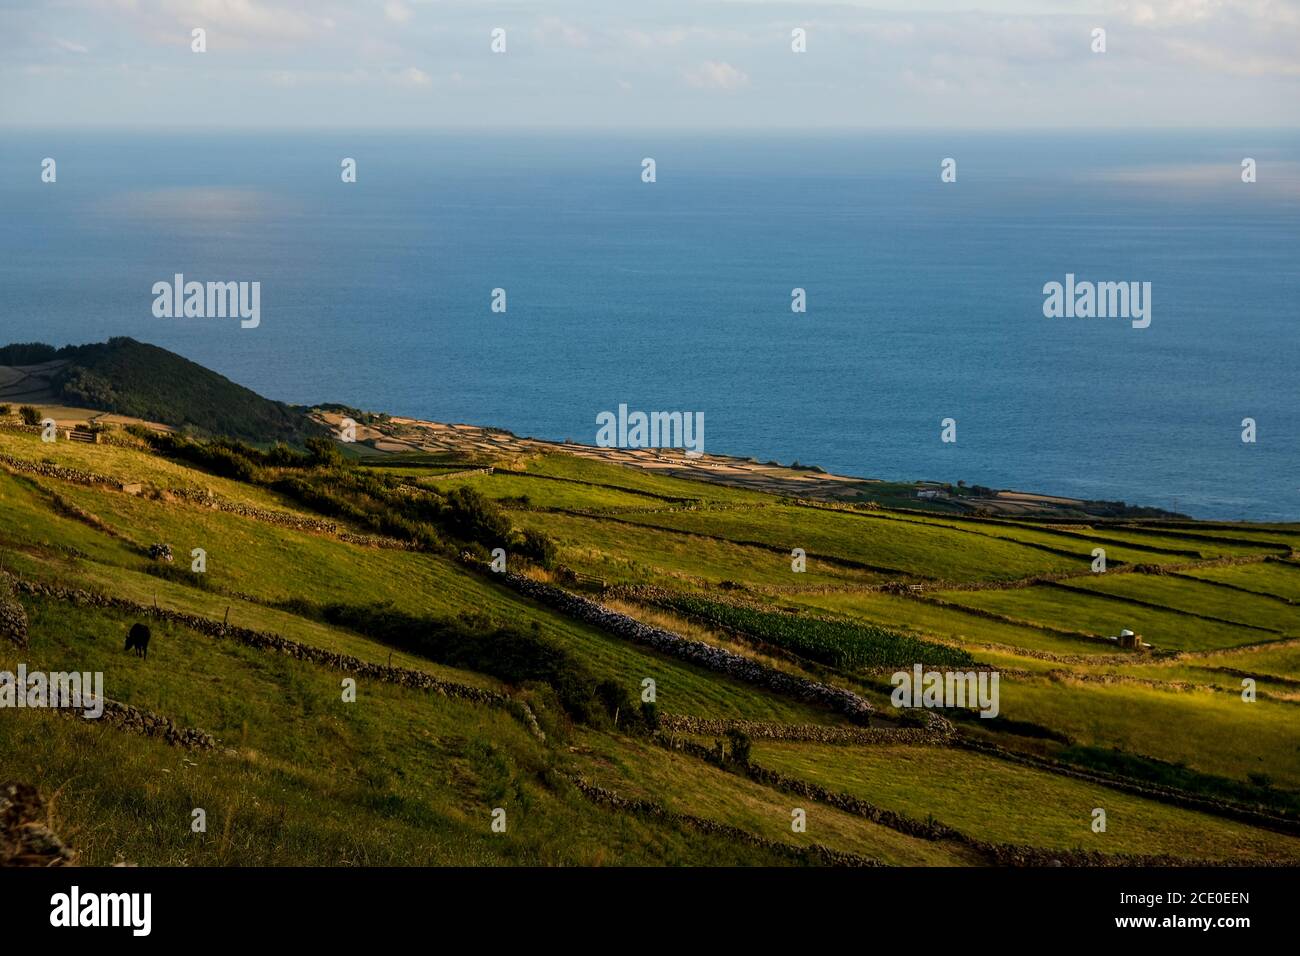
{"x":138,"y":640}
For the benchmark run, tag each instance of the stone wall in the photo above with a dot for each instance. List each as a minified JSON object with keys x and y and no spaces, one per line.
{"x":997,"y":854}
{"x":696,"y":652}
{"x":814,"y":853}
{"x":205,"y":499}
{"x":46,"y":470}
{"x":13,"y":618}
{"x":1179,"y":798}
{"x":285,"y":519}
{"x":145,"y":722}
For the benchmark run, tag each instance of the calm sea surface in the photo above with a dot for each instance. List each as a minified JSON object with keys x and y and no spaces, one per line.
{"x":924,"y":299}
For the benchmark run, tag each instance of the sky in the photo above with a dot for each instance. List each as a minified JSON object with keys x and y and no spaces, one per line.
{"x":636,"y":64}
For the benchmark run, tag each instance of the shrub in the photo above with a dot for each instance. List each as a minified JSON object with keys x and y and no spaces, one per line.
{"x":30,"y":415}
{"x":474,"y":642}
{"x":471,"y":516}
{"x":537,"y":547}
{"x":739,"y":746}
{"x":614,"y":698}
{"x":324,"y":452}
{"x":650,"y":715}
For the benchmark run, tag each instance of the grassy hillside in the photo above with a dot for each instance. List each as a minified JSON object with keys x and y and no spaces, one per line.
{"x":321,"y":569}
{"x":132,"y":378}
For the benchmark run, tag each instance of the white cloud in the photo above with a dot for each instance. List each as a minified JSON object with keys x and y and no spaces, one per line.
{"x":413,"y":77}
{"x":552,"y":30}
{"x":236,"y":22}
{"x":713,"y":75}
{"x":1210,"y":57}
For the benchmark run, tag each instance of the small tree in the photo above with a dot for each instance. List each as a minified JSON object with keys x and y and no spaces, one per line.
{"x":537,"y":547}
{"x":739,"y":746}
{"x":614,"y":698}
{"x":650,"y":715}
{"x":324,"y":452}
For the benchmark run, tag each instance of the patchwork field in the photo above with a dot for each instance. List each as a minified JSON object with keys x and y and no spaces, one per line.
{"x":764,"y":675}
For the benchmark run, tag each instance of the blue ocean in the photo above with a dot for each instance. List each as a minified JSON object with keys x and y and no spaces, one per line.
{"x":924,"y":298}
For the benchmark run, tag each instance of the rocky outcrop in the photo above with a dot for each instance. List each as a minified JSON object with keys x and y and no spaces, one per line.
{"x":25,"y":837}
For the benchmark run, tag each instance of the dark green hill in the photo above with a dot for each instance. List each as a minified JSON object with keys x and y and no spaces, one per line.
{"x":132,"y":378}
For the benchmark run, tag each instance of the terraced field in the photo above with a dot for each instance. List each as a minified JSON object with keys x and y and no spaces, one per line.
{"x":767,"y":680}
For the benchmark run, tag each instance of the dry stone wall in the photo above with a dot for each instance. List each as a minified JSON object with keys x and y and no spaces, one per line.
{"x":1221,"y":808}
{"x":998,"y":854}
{"x":815,"y":853}
{"x":282,"y":519}
{"x":46,"y":470}
{"x":149,"y":724}
{"x":13,"y":617}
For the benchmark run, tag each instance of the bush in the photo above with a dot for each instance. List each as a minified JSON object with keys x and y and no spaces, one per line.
{"x":471,"y":516}
{"x":739,"y":746}
{"x":30,"y":415}
{"x":324,"y":452}
{"x":6,"y":411}
{"x":537,"y":547}
{"x":474,"y":642}
{"x":614,"y":698}
{"x":650,"y":715}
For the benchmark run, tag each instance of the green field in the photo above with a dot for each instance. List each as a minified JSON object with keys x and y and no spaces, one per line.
{"x":990,"y":800}
{"x":1276,"y":578}
{"x":910,"y":548}
{"x":1075,"y":608}
{"x":1181,"y":594}
{"x":406,"y":777}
